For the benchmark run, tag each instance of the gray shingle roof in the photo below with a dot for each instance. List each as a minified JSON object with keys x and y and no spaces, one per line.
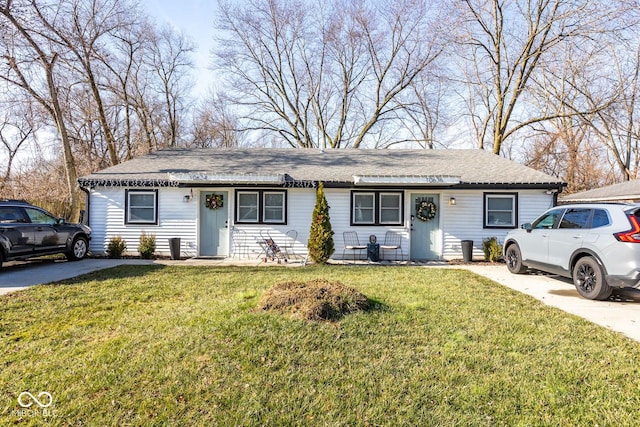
{"x":330,"y":166}
{"x":629,"y":190}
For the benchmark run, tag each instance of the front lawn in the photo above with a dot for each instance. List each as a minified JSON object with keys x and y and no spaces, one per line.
{"x":161,"y":345}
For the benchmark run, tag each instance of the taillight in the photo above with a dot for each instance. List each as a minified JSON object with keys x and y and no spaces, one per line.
{"x":631,"y":236}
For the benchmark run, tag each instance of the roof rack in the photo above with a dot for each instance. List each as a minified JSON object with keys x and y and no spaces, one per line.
{"x":14,"y":201}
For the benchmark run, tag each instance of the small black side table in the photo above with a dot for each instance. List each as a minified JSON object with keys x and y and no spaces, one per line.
{"x":373,"y":252}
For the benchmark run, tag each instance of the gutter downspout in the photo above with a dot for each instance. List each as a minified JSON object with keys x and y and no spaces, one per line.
{"x":87,"y":204}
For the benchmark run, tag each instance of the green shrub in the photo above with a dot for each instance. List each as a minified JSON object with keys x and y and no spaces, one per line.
{"x":492,"y":249}
{"x":321,"y":235}
{"x":147,"y":245}
{"x":116,"y":247}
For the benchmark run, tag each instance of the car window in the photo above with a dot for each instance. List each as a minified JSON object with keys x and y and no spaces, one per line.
{"x":600,"y":218}
{"x":39,"y":217}
{"x":548,"y":220}
{"x":10,"y":214}
{"x":576,"y":218}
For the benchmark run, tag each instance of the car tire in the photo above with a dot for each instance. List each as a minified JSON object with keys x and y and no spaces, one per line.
{"x":588,"y":278}
{"x":79,"y":248}
{"x":513,"y":257}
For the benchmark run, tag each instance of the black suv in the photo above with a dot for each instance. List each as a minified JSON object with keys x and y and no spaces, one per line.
{"x":27,"y":231}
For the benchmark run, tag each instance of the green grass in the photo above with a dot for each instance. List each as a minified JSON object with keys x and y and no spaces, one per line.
{"x":154,"y":345}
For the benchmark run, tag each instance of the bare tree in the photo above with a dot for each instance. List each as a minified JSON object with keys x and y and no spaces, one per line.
{"x":31,"y":61}
{"x":169,"y":58}
{"x":214,"y":125}
{"x":504,"y":44}
{"x":617,"y":126}
{"x":15,"y":131}
{"x":325,"y":74}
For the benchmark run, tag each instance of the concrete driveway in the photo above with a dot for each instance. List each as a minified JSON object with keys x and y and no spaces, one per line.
{"x":20,"y":275}
{"x":621,"y":313}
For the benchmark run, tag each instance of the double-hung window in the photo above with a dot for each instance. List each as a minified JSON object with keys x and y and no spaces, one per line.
{"x":500,"y":210}
{"x":261,"y":206}
{"x":376,"y":208}
{"x":141,"y":207}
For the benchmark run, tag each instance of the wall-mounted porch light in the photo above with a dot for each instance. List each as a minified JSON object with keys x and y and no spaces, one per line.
{"x":452,"y":201}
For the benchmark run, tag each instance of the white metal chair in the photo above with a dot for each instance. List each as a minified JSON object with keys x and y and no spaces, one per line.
{"x":351,"y":243}
{"x":289,"y":242}
{"x":392,"y":242}
{"x":239,"y":243}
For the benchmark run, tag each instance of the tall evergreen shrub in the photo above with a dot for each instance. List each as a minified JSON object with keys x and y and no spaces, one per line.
{"x":320,"y":243}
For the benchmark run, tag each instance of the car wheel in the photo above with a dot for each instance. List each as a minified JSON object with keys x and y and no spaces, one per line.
{"x":514,"y":259}
{"x":79,"y":249}
{"x":588,"y":277}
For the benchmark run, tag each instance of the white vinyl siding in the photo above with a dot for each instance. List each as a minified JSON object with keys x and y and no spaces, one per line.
{"x":178,"y":218}
{"x":465,"y":220}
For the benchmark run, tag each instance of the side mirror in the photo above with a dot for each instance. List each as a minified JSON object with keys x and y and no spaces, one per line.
{"x":527,"y":226}
{"x":60,"y":221}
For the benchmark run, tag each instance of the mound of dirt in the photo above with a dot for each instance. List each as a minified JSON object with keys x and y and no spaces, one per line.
{"x":315,"y":300}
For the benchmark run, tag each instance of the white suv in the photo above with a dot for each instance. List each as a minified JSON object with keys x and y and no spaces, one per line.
{"x":597,"y":245}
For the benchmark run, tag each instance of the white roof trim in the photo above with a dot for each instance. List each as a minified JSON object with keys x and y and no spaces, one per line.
{"x":406,"y":180}
{"x":208,"y":177}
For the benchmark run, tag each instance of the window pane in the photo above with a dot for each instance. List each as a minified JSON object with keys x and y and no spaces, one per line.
{"x":141,"y":200}
{"x":575,"y":218}
{"x":363,"y":208}
{"x":390,"y":208}
{"x":500,"y":218}
{"x":600,"y":219}
{"x":273,"y":207}
{"x":390,"y":201}
{"x":549,"y":220}
{"x":247,"y":214}
{"x":141,"y":215}
{"x":248,"y":207}
{"x":500,"y":203}
{"x":39,"y":217}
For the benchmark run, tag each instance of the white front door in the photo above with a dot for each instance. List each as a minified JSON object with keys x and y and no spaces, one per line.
{"x":214,"y":226}
{"x":425,"y":235}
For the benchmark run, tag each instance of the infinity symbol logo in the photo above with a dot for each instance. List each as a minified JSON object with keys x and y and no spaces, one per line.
{"x":31,"y":399}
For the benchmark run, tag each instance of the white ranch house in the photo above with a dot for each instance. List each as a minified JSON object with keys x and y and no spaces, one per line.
{"x":477,"y":195}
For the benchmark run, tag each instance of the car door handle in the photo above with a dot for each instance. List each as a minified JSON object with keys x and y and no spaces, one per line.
{"x":579,"y":236}
{"x":39,"y":228}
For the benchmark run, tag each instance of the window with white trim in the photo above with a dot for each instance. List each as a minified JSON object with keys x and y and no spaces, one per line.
{"x":363,"y":208}
{"x":273,"y":206}
{"x":500,"y":210}
{"x":376,"y":208}
{"x":141,"y":207}
{"x":261,"y":207}
{"x":390,"y":208}
{"x":247,"y":206}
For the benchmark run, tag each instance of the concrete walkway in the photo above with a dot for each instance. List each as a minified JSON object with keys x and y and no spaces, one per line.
{"x":620,"y":313}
